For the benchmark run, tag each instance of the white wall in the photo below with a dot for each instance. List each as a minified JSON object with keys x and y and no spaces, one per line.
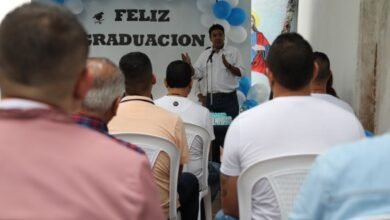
{"x":8,"y":5}
{"x":331,"y":26}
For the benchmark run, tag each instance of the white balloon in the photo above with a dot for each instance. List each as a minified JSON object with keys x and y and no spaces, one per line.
{"x":233,"y":3}
{"x":224,"y":23}
{"x":240,"y":98}
{"x":259,"y":92}
{"x":237,"y":34}
{"x":205,"y":6}
{"x":207,"y":20}
{"x":75,"y":6}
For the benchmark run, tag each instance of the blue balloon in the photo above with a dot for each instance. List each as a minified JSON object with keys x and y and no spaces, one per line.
{"x":59,"y":1}
{"x":222,"y":9}
{"x":248,"y":104}
{"x":244,"y":85}
{"x":368,"y":133}
{"x":237,"y":17}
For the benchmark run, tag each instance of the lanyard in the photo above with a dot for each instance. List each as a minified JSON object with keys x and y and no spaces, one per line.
{"x":142,"y":100}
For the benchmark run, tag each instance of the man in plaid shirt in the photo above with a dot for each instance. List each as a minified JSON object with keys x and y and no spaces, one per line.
{"x":102,"y":100}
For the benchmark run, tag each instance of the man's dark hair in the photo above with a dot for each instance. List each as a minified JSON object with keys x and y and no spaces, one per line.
{"x":216,"y":27}
{"x":137,"y":68}
{"x":291,"y":61}
{"x":178,"y":74}
{"x":42,"y":45}
{"x":323,"y":67}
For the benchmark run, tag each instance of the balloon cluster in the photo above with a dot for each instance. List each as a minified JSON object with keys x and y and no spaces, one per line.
{"x":250,"y":95}
{"x":225,"y":13}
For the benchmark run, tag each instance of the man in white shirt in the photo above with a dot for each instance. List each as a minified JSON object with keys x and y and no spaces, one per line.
{"x":179,"y":84}
{"x":221,"y":66}
{"x":318,"y":85}
{"x":290,"y":124}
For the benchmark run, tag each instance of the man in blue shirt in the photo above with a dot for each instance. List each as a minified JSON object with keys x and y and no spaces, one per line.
{"x":347,"y":182}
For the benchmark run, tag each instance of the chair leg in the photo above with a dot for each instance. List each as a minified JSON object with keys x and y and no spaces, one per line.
{"x":208,"y":206}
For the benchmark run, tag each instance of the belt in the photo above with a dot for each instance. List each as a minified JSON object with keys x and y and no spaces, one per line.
{"x":223,"y":93}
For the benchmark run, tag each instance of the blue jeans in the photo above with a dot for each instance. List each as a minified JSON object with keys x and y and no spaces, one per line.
{"x":213,"y":179}
{"x":221,"y":216}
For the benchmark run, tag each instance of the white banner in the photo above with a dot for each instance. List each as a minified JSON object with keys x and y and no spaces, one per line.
{"x":162,"y":29}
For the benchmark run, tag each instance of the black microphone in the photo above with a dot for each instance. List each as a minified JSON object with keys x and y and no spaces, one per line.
{"x":211,"y":56}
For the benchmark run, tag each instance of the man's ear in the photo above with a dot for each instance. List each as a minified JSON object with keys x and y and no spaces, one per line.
{"x":315,"y":71}
{"x":165,"y":83}
{"x":83,"y":84}
{"x":270,"y":76}
{"x":154,"y":80}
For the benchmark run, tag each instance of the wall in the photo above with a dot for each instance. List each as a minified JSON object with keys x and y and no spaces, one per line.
{"x":332,"y":26}
{"x":7,"y":6}
{"x":355,"y":34}
{"x":373,"y":66}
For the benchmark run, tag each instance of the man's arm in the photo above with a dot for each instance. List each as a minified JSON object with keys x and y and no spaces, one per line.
{"x":229,"y":197}
{"x":186,"y":58}
{"x":234,"y":70}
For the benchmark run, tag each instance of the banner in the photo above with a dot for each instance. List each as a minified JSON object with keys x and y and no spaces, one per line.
{"x":161,"y":29}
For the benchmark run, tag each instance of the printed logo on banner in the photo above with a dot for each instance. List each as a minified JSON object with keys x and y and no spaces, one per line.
{"x":98,"y":18}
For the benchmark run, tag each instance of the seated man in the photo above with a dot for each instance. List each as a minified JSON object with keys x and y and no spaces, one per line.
{"x":347,"y":182}
{"x":179,"y":83}
{"x":319,"y":84}
{"x":292,"y":123}
{"x":137,"y":113}
{"x":51,"y":168}
{"x":102,"y":100}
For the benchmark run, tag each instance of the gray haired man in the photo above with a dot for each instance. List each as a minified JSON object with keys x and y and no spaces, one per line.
{"x":102,"y":100}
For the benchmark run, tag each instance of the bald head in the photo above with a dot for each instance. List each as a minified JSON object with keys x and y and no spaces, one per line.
{"x":108,"y":85}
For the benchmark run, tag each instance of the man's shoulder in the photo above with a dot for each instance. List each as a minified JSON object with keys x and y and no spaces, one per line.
{"x":334,"y":100}
{"x":356,"y":160}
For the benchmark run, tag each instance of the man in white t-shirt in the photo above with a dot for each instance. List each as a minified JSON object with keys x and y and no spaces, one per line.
{"x":179,"y":83}
{"x":318,"y":85}
{"x":290,"y":124}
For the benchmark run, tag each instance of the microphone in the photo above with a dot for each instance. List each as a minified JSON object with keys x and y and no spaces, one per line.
{"x":211,"y":56}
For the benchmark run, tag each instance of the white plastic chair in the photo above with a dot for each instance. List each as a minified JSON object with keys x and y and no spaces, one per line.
{"x":193,"y":131}
{"x":285,"y":175}
{"x":152,"y":146}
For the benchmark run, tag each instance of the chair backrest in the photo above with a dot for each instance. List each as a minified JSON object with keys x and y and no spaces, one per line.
{"x":152,"y":146}
{"x":285,"y":176}
{"x":193,"y":132}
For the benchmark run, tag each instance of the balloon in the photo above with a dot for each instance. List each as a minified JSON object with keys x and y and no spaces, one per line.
{"x":259,"y":93}
{"x":207,"y":20}
{"x":244,"y":85}
{"x":205,"y":6}
{"x":237,"y":34}
{"x":75,"y":6}
{"x":368,"y":133}
{"x":240,"y":97}
{"x":224,"y":23}
{"x":59,"y":1}
{"x":248,"y":104}
{"x":233,"y":3}
{"x":237,"y":17}
{"x":222,"y":9}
